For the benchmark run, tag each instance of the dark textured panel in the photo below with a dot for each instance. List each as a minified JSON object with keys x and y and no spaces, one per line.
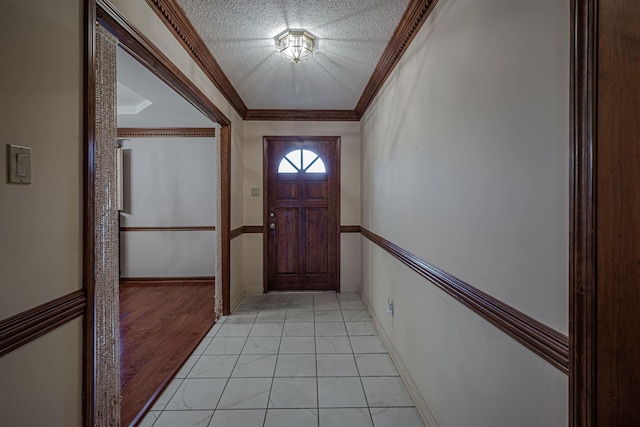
{"x":287,"y":241}
{"x":317,"y":190}
{"x":316,"y":229}
{"x":287,"y":190}
{"x":618,"y":213}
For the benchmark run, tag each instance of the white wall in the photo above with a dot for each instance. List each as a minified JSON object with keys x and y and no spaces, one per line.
{"x":41,"y":223}
{"x":169,"y":182}
{"x":465,"y":164}
{"x":349,"y":132}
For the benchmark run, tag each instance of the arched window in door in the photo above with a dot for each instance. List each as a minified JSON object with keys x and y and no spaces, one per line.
{"x":301,"y":160}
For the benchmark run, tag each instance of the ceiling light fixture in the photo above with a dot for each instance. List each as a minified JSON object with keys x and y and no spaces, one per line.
{"x":296,"y":45}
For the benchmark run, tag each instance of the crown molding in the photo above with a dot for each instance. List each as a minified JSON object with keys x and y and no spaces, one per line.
{"x":165,"y":132}
{"x":416,"y":14}
{"x":133,"y":41}
{"x":303,"y":115}
{"x":175,"y":19}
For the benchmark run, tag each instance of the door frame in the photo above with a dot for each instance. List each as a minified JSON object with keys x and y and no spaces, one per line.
{"x":141,"y":48}
{"x":265,"y":200}
{"x":583,"y":283}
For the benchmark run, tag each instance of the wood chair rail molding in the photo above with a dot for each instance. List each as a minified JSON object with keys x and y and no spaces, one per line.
{"x":175,"y":19}
{"x":236,"y":232}
{"x":543,"y":340}
{"x":256,"y":229}
{"x":185,"y":228}
{"x":166,"y":132}
{"x":163,"y":281}
{"x":25,"y":327}
{"x":246,"y":229}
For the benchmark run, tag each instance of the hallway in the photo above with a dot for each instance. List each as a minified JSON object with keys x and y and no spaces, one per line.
{"x":311,"y":359}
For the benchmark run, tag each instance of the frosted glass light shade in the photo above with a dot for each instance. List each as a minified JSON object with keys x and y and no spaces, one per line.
{"x":296,"y":45}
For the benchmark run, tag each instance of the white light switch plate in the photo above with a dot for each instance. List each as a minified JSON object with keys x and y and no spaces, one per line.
{"x":19,"y":164}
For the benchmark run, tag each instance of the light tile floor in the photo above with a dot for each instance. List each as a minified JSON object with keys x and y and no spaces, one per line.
{"x":289,"y":359}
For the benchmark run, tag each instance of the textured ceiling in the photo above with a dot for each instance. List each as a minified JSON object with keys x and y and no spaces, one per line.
{"x":352,"y":35}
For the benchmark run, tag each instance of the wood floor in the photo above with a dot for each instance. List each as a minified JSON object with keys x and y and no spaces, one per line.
{"x":160,"y":326}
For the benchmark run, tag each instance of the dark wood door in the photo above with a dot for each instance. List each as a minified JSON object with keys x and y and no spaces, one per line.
{"x":301,"y":213}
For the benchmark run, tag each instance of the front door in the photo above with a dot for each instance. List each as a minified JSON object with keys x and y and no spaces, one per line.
{"x":301,"y":213}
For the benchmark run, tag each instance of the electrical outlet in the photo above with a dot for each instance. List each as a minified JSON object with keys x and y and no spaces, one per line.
{"x":390,"y":308}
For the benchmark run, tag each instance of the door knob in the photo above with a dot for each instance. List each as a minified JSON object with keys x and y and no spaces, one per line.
{"x":272,"y":226}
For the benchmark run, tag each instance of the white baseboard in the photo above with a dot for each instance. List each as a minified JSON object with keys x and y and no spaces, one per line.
{"x":253,"y":290}
{"x":422,"y":407}
{"x":349,"y":288}
{"x":247,"y":290}
{"x":235,"y":302}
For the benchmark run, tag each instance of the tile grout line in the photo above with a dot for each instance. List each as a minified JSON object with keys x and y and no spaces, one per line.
{"x":273,"y":376}
{"x":227,"y":382}
{"x":232,"y":369}
{"x":182,"y":380}
{"x":358,"y":369}
{"x":315,"y":356}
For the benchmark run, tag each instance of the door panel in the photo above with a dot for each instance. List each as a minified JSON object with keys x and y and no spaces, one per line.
{"x":317,"y":190}
{"x":287,"y":190}
{"x":301,"y":213}
{"x":287,"y":241}
{"x":316,"y":234}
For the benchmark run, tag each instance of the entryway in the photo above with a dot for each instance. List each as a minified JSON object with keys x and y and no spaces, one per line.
{"x":301,"y":213}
